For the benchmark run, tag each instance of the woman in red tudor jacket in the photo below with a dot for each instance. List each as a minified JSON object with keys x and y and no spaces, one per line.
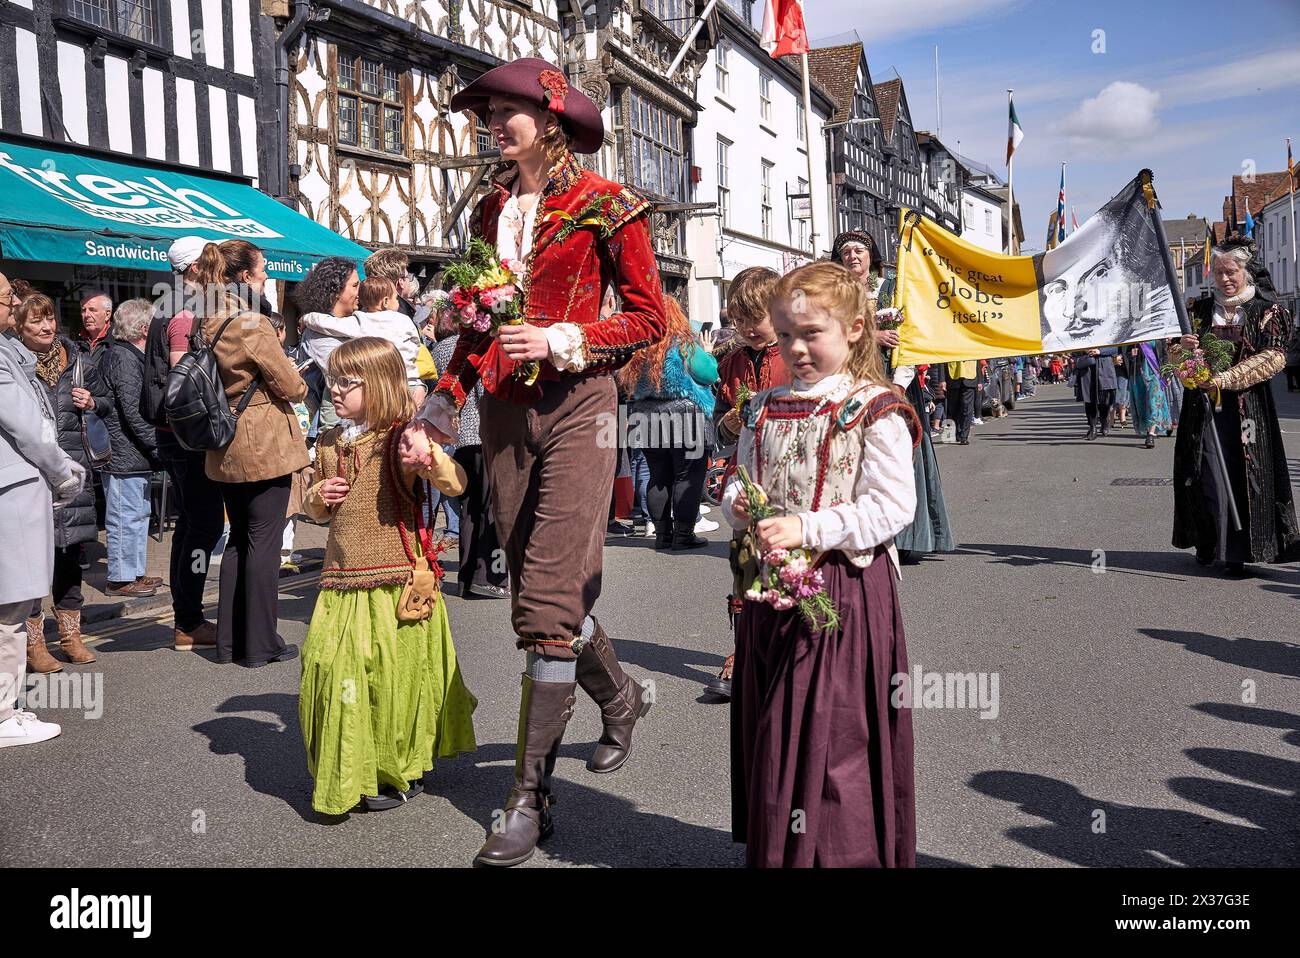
{"x":550,"y":448}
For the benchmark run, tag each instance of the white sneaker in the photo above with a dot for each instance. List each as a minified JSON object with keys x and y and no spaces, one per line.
{"x":649,"y":528}
{"x":705,"y":525}
{"x":977,"y":421}
{"x":704,"y":510}
{"x":26,"y":729}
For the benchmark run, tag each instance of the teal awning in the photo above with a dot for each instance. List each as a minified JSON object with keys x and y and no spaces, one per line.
{"x":61,"y":207}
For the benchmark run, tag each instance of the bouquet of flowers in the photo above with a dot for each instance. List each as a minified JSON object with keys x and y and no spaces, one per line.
{"x":786,"y":578}
{"x":483,"y":294}
{"x":889,"y":318}
{"x":1198,"y":366}
{"x":743,"y":395}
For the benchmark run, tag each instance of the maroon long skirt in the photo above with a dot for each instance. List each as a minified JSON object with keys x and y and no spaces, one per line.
{"x":821,"y":763}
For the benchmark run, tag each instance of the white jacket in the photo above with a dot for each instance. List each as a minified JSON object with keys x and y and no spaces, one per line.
{"x":325,"y":332}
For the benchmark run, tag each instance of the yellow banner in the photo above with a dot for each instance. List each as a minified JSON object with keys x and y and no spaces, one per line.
{"x":962,"y":302}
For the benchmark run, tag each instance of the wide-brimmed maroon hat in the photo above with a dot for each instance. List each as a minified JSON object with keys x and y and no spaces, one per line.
{"x":544,"y":84}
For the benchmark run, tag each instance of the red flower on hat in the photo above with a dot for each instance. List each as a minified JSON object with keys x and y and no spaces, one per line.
{"x":553,"y":82}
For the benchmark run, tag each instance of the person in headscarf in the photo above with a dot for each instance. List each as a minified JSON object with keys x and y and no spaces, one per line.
{"x":1150,"y":407}
{"x":1250,"y":472}
{"x":930,"y":530}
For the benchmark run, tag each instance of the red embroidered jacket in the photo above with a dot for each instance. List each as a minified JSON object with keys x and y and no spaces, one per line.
{"x":565,"y":280}
{"x":736,"y":367}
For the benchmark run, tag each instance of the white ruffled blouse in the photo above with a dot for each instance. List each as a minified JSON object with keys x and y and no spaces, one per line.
{"x":871,"y":487}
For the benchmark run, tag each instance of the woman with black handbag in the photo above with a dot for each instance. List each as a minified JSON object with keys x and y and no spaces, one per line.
{"x":59,"y":360}
{"x":255,"y":471}
{"x":134,"y":445}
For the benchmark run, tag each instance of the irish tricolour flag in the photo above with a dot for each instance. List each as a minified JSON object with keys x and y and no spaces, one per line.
{"x":1014,"y":133}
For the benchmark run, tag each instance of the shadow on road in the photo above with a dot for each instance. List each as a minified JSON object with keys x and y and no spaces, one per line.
{"x":1153,"y":564}
{"x":592,"y":827}
{"x":1139,"y":836}
{"x":1266,"y":655}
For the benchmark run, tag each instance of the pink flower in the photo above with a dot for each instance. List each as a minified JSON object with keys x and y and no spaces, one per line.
{"x":783,"y":602}
{"x":487,"y":298}
{"x":468,"y":314}
{"x":516,"y":266}
{"x":483,"y":323}
{"x":776,"y":556}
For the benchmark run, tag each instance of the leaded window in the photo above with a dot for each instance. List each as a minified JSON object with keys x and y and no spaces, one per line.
{"x":137,"y":19}
{"x":656,"y":147}
{"x":371,"y":113}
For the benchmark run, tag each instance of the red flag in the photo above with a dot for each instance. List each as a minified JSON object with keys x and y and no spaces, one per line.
{"x":783,"y":28}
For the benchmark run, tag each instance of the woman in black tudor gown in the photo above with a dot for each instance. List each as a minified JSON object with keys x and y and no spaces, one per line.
{"x":931,"y":530}
{"x":1243,"y":310}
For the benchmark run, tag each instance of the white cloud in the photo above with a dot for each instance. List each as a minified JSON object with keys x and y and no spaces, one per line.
{"x":1121,"y":113}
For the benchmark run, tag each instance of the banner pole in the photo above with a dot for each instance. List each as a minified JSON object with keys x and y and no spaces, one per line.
{"x":1171,"y":277}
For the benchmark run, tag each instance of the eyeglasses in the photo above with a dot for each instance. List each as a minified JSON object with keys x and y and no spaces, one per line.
{"x":344,"y":383}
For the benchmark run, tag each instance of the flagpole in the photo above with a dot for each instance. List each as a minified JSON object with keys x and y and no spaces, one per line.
{"x":1290,"y":188}
{"x":1011,"y":192}
{"x":690,"y":38}
{"x":808,"y":143}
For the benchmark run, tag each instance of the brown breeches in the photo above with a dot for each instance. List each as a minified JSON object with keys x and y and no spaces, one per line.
{"x":552,"y":472}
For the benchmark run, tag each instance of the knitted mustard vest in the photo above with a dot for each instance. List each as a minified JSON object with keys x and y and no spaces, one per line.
{"x":365,"y":547}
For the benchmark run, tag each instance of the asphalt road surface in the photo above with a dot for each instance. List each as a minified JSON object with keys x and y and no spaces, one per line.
{"x":1147,"y":710}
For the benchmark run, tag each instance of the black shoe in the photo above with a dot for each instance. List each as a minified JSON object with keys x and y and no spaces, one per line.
{"x":963,"y":442}
{"x":663,"y":540}
{"x":719,"y":687}
{"x":1235,"y":570}
{"x":290,"y":652}
{"x":391,"y":798}
{"x":688,"y":541}
{"x":616,"y":528}
{"x":1091,"y":434}
{"x":1104,"y":432}
{"x":1205,"y":557}
{"x":1151,"y":442}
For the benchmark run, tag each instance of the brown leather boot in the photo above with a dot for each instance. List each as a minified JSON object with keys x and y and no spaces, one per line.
{"x":544,"y":710}
{"x":70,"y":637}
{"x":622,"y":700}
{"x":38,"y":653}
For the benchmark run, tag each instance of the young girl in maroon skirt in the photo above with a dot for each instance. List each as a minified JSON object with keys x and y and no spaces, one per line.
{"x":821,"y":757}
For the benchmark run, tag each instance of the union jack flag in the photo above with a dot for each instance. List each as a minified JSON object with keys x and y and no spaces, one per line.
{"x":1060,"y":209}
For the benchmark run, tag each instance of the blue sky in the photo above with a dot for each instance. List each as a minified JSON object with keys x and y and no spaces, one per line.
{"x":1191,"y":89}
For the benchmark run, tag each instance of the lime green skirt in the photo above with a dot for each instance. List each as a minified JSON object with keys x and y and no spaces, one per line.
{"x":381,"y":699}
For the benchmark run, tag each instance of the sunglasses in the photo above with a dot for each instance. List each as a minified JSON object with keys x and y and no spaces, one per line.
{"x":344,"y":383}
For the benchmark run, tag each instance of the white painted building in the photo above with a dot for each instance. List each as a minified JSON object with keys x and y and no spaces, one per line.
{"x":981,"y":219}
{"x":1274,"y":232}
{"x":750,"y":155}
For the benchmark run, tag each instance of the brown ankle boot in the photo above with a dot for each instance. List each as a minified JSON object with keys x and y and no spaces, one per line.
{"x":544,"y":711}
{"x":38,"y":653}
{"x":622,"y":700}
{"x":70,"y":637}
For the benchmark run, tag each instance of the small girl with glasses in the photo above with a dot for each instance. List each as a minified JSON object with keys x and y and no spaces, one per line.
{"x":382,"y":695}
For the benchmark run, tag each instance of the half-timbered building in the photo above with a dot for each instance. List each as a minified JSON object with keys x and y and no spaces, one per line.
{"x":619,"y":52}
{"x":855,"y":144}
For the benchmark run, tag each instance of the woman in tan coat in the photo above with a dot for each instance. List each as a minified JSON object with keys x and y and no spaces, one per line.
{"x":255,"y":471}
